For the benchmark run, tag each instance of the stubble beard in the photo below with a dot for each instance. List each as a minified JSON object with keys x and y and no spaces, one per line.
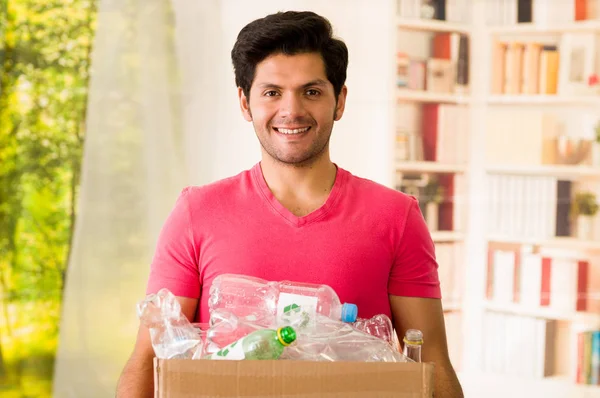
{"x":306,"y":160}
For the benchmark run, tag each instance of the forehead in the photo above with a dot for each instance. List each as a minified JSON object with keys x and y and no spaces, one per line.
{"x":290,"y":70}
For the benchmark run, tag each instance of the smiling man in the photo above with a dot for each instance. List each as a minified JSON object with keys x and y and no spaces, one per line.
{"x":296,"y":215}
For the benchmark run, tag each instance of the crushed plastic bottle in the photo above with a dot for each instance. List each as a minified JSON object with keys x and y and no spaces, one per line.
{"x":249,"y":298}
{"x":260,"y":344}
{"x":337,"y":341}
{"x":171,"y":334}
{"x":277,"y":303}
{"x":225,"y":328}
{"x":379,"y":326}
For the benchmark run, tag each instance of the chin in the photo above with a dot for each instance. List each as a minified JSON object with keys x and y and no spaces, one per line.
{"x":297,"y":160}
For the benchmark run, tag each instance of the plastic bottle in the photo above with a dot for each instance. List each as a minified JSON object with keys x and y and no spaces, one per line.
{"x":346,"y":343}
{"x":302,"y":301}
{"x":413,"y":341}
{"x":277,"y":303}
{"x":171,"y":334}
{"x":249,"y":298}
{"x":378,"y":326}
{"x":261,"y":344}
{"x":225,"y":328}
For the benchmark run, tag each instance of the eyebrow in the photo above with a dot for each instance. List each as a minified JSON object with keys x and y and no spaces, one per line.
{"x":312,"y":83}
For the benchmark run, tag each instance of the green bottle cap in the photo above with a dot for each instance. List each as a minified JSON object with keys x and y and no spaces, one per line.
{"x":286,"y":335}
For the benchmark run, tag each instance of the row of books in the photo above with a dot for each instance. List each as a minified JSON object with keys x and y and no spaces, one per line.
{"x":432,"y":132}
{"x":454,"y":336}
{"x":445,"y":71}
{"x":529,"y":207}
{"x":566,"y":67}
{"x":588,"y":357}
{"x":443,"y":10}
{"x":450,"y":258}
{"x":524,"y":68}
{"x":510,"y":12}
{"x":518,"y":345}
{"x":547,"y":280}
{"x":451,"y":206}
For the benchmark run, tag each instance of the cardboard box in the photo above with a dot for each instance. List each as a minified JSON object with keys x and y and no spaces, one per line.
{"x":179,"y":378}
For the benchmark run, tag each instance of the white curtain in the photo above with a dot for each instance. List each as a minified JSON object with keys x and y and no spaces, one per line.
{"x":163,"y":114}
{"x":133,"y":168}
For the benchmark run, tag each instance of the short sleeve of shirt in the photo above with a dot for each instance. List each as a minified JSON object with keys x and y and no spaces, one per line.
{"x":415,"y":270}
{"x":174,"y":264}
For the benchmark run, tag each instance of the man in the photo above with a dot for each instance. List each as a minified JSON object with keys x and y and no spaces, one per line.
{"x":296,"y":215}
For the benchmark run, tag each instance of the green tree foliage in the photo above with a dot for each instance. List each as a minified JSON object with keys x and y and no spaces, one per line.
{"x":45,"y":48}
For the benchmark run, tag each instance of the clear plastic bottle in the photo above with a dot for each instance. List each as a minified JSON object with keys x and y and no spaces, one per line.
{"x":277,"y":303}
{"x":249,"y":298}
{"x":171,"y":334}
{"x":225,"y":328}
{"x":379,"y":326}
{"x":298,"y":303}
{"x":413,"y":341}
{"x":261,"y":344}
{"x":343,"y":344}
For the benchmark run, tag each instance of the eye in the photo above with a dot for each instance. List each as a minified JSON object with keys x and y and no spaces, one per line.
{"x":271,"y":93}
{"x":312,"y":92}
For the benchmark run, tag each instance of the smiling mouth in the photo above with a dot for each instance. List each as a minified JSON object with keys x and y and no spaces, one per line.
{"x":291,"y":131}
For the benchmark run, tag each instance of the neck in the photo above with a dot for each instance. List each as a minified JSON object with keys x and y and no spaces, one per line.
{"x":302,"y":182}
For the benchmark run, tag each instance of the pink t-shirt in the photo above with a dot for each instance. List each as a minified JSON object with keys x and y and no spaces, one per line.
{"x":366,"y":241}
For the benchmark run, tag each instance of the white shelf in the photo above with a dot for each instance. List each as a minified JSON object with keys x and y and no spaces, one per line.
{"x":562,"y":243}
{"x":560,"y":171}
{"x":407,"y":95}
{"x":544,"y":99}
{"x":537,"y":29}
{"x":544,"y":313}
{"x":490,"y":385}
{"x":447,"y":236}
{"x":429,"y":25}
{"x":451,"y":307}
{"x":429,"y":167}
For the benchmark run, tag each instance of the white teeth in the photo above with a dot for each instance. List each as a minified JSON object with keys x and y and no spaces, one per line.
{"x":294,"y":131}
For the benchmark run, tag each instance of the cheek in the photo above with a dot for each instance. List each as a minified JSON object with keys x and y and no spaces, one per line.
{"x":325,"y":116}
{"x":262,"y":113}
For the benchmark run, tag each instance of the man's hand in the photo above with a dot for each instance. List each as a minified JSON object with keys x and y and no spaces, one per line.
{"x":426,"y":315}
{"x":136,"y":380}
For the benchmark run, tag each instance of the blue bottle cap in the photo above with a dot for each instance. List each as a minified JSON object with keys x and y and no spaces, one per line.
{"x":349,"y":312}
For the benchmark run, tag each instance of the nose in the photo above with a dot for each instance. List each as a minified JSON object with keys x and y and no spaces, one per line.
{"x":291,"y":106}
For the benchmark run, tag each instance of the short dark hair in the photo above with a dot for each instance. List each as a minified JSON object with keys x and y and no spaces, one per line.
{"x":290,"y":33}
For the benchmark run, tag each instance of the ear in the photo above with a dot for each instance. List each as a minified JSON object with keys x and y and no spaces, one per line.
{"x":341,"y":104}
{"x":244,"y":105}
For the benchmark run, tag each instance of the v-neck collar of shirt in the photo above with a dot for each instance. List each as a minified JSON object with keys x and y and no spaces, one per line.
{"x":340,"y":180}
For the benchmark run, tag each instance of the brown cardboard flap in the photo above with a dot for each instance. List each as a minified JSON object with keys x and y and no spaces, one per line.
{"x":177,"y":378}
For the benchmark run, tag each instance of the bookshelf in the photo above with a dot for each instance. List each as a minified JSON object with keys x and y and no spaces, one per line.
{"x":451,"y":307}
{"x":567,"y":243}
{"x":500,"y":386}
{"x":432,"y":26}
{"x":447,"y":236}
{"x":430,"y":167}
{"x":529,"y":28}
{"x":432,"y":88}
{"x":540,"y":279}
{"x":406,"y":95}
{"x":587,"y":100}
{"x":561,"y":171}
{"x":545,"y":313}
{"x":537,"y":343}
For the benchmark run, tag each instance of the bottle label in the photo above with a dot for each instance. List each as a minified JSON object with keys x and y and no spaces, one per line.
{"x":234,"y":351}
{"x":296,"y":310}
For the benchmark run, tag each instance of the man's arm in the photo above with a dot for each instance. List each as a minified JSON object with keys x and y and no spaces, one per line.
{"x":136,"y":380}
{"x":426,"y":315}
